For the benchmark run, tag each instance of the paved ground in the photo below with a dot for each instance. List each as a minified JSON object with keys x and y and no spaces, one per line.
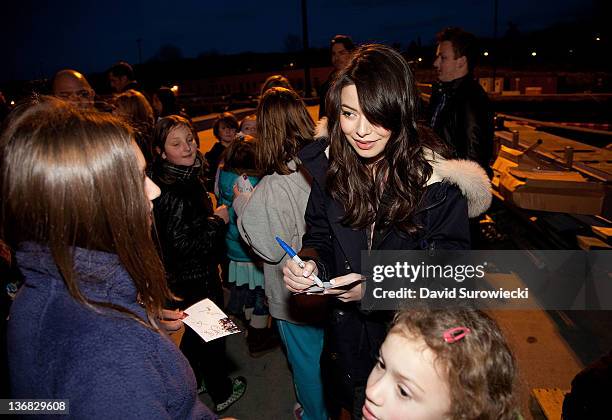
{"x":551,"y":347}
{"x":270,"y":393}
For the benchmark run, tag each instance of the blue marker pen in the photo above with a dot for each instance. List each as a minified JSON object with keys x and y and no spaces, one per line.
{"x":297,"y":259}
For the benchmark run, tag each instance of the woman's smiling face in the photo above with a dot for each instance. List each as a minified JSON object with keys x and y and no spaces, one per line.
{"x":368,"y":140}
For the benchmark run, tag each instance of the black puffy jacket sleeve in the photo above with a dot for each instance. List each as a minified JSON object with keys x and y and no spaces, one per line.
{"x":186,"y":230}
{"x":475,"y":128}
{"x":447,"y":223}
{"x":317,"y":241}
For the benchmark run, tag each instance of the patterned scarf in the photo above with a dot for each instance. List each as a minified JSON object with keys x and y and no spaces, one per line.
{"x":171,"y":173}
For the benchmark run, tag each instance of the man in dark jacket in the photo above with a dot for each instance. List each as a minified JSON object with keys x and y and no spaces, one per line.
{"x":459,"y":108}
{"x":121,"y":77}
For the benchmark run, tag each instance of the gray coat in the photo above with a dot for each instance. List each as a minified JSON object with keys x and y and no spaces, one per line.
{"x":276,"y":208}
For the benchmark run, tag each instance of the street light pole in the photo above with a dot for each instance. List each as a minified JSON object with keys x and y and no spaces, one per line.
{"x":306,"y":50}
{"x":495,"y":52}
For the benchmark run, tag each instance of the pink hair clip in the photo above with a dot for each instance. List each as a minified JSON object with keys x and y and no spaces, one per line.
{"x":452,"y":335}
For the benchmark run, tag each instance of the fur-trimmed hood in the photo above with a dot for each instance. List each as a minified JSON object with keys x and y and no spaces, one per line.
{"x":467,"y":175}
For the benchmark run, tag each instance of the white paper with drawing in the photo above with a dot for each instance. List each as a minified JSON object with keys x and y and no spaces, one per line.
{"x":209,"y":321}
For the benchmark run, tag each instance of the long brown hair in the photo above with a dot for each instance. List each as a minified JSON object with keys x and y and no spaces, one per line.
{"x":134,"y":107}
{"x":284,"y":126}
{"x":480,"y":368}
{"x":387,"y":96}
{"x":70,"y":178}
{"x":276,"y":80}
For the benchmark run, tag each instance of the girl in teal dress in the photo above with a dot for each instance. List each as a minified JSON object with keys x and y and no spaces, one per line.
{"x":245,"y":268}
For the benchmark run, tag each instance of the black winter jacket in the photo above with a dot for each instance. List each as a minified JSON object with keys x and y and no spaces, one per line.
{"x":354,"y":337}
{"x":322,"y":92}
{"x":191,"y":237}
{"x":465,"y":121}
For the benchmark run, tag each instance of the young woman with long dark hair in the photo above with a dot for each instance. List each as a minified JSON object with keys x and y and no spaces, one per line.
{"x":385,"y":186}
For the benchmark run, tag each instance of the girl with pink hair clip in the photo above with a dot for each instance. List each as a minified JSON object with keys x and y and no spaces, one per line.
{"x":442,"y":364}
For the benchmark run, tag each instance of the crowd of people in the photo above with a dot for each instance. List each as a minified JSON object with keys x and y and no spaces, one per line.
{"x":112,"y":225}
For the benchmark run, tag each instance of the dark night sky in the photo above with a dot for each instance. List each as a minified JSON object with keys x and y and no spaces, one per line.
{"x":40,"y":37}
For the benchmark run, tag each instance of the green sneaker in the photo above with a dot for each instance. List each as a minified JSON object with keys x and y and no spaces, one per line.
{"x":239,"y":385}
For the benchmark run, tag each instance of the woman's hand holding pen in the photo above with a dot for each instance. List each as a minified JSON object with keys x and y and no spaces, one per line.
{"x":345,"y":294}
{"x":296,"y":278}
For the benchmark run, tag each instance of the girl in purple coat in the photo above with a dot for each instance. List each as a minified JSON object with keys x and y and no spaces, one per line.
{"x":84,"y":328}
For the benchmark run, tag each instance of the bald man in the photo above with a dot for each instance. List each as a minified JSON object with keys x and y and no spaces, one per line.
{"x":73,"y":86}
